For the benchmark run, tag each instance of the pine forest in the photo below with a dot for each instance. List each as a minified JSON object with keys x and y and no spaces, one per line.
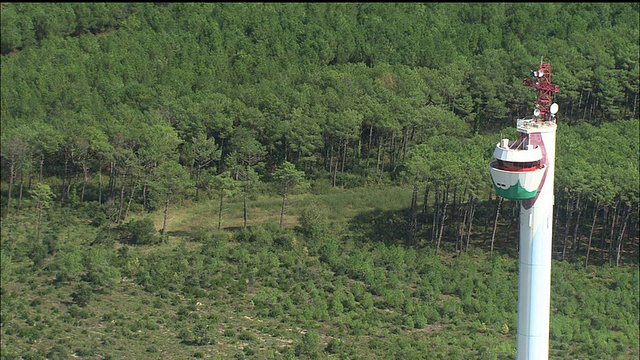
{"x":308,"y":180}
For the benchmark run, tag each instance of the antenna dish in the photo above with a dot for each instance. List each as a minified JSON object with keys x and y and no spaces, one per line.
{"x":553,"y":109}
{"x":536,"y":112}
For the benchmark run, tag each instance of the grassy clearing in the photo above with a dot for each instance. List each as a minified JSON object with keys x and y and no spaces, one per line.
{"x":340,"y":205}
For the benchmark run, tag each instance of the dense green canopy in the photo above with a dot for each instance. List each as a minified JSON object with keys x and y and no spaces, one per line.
{"x":318,"y":84}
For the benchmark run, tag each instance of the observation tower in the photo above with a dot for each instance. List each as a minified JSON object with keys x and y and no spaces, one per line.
{"x":524,"y":170}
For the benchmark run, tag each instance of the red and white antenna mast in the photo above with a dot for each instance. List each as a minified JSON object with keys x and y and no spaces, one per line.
{"x":541,"y":81}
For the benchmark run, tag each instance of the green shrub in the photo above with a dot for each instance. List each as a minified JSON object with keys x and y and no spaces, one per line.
{"x":284,"y":239}
{"x":330,"y":253}
{"x":138,"y":232}
{"x":38,"y":254}
{"x":77,"y":312}
{"x":313,"y":222}
{"x":420,"y":321}
{"x":68,"y":263}
{"x":85,"y":351}
{"x":321,"y":186}
{"x":262,"y":234}
{"x":248,"y":351}
{"x":334,"y":346}
{"x":247,"y":336}
{"x":99,"y":266}
{"x":6,"y":266}
{"x":336,"y":306}
{"x":185,"y":336}
{"x":202,"y":334}
{"x":367,"y":301}
{"x":105,"y":236}
{"x":309,"y":345}
{"x":82,"y":295}
{"x":242,"y":235}
{"x":151,"y":325}
{"x":452,"y":309}
{"x":58,"y":352}
{"x":409,"y":322}
{"x":393,"y":299}
{"x":96,"y":213}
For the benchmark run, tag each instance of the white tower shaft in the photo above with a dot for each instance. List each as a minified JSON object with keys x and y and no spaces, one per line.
{"x":534,"y":283}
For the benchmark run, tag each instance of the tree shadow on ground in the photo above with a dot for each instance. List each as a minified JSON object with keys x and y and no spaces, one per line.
{"x":180,"y":233}
{"x":377,"y":225}
{"x":391,"y":227}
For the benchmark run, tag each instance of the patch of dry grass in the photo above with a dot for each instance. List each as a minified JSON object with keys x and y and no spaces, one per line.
{"x":341,"y":205}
